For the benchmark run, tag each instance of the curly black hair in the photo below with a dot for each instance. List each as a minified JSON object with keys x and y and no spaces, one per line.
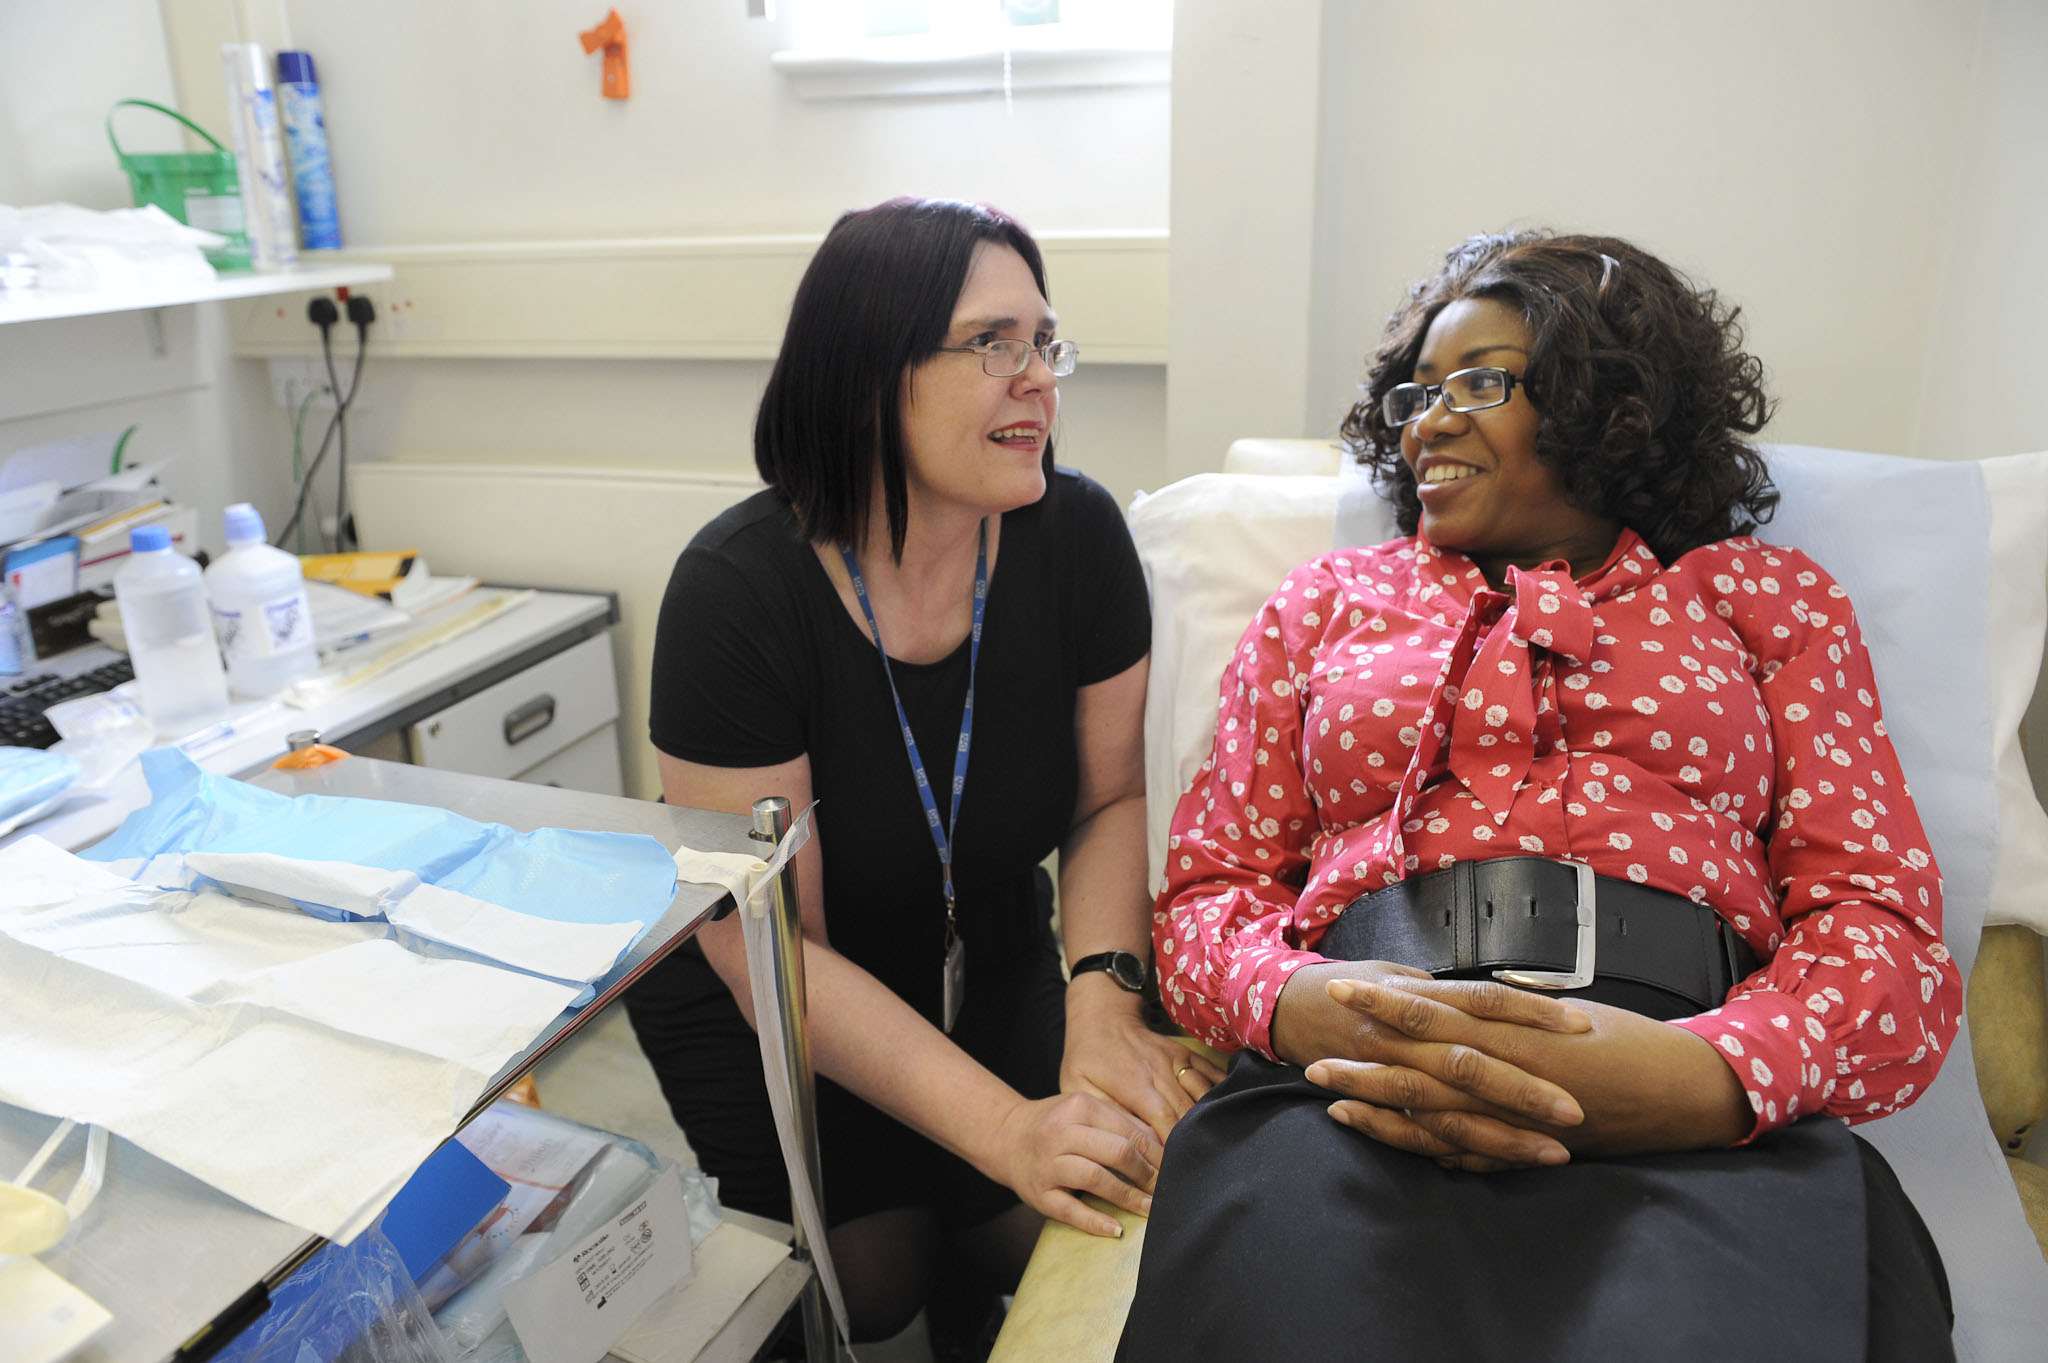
{"x":1638,"y":376}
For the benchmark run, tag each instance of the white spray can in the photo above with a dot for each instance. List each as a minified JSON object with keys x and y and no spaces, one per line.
{"x":259,"y":157}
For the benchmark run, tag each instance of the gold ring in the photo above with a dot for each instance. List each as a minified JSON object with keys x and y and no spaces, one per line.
{"x":1182,"y":1070}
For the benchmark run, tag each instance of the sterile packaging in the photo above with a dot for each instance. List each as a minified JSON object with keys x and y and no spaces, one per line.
{"x":103,"y":732}
{"x":566,"y":1180}
{"x":260,"y":609}
{"x":350,"y":1302}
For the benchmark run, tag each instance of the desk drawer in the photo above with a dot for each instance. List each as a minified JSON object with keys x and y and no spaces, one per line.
{"x":526,"y":718}
{"x":590,"y":763}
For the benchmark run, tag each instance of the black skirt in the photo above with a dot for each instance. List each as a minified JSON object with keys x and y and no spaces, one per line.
{"x":1277,"y":1233}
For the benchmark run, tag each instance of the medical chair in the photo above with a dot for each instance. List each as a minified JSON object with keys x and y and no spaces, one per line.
{"x":1918,"y":545}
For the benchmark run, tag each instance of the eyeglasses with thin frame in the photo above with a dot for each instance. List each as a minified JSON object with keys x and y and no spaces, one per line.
{"x":1008,"y":359}
{"x":1467,"y":390}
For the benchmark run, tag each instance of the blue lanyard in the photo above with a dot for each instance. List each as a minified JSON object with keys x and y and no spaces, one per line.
{"x":941,"y":835}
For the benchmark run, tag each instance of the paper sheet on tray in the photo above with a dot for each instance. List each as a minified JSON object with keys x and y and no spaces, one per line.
{"x":303,"y":1066}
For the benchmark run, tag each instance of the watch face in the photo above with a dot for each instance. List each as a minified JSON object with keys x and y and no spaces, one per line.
{"x":1127,"y":970}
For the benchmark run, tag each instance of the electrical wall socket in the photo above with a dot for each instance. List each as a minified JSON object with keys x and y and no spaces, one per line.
{"x":293,"y":377}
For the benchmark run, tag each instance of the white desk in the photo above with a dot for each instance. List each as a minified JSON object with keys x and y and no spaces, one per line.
{"x":546,"y":624}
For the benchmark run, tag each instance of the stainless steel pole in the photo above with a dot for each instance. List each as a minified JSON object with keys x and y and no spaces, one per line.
{"x":786,"y":946}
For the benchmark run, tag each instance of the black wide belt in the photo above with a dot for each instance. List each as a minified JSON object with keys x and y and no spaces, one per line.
{"x":1544,"y":924}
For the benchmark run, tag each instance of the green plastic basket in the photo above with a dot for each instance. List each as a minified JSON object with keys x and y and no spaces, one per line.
{"x":198,"y":188}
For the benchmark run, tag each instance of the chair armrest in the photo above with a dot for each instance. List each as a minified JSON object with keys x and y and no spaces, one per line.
{"x":1077,"y":1289}
{"x":1075,"y":1294}
{"x":2008,"y":1009}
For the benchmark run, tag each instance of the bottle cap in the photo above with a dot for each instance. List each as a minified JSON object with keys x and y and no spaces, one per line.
{"x":242,"y":523}
{"x":295,"y":68}
{"x":149,"y":539}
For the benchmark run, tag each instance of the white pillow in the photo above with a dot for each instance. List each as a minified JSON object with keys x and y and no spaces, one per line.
{"x":1886,"y":528}
{"x":1214,"y":546}
{"x":2017,"y":614}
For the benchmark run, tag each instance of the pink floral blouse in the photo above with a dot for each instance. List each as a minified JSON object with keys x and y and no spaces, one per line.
{"x":1709,"y":728}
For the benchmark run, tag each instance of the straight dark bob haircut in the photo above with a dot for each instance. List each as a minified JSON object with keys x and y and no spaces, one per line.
{"x":876,"y":301}
{"x":1643,"y":391}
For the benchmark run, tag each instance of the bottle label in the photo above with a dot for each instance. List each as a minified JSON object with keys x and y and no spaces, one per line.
{"x":281,"y":626}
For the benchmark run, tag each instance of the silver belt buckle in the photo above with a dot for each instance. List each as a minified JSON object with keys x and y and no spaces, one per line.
{"x":1581,"y":974}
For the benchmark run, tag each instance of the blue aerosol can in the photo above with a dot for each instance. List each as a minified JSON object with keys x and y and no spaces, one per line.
{"x":305,"y":136}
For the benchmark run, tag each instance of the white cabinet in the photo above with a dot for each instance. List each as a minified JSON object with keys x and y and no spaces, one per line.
{"x":554,"y":723}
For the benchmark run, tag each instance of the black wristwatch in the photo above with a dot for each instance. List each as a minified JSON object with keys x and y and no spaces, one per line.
{"x":1127,"y":970}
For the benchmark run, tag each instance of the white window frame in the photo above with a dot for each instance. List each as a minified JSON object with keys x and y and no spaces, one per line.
{"x":1122,"y":42}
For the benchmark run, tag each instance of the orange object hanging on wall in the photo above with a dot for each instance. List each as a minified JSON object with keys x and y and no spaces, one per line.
{"x":611,"y":36}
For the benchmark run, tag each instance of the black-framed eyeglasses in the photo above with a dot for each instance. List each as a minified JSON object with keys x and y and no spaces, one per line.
{"x":1008,"y":359}
{"x":1468,"y":390}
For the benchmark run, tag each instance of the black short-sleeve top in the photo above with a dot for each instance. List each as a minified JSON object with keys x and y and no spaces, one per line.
{"x":757,"y":662}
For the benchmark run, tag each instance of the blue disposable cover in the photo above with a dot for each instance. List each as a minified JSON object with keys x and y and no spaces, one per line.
{"x":567,"y":875}
{"x":31,"y":778}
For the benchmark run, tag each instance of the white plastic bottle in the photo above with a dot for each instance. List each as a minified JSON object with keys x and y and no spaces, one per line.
{"x":170,"y":635}
{"x":260,"y":608}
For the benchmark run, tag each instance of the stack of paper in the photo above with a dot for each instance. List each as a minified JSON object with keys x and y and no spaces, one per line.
{"x":66,"y":509}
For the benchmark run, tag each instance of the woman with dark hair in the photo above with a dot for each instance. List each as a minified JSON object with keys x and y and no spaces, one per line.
{"x":1554,"y":882}
{"x":919,"y":583}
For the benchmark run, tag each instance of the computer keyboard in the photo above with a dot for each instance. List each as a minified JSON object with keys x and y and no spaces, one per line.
{"x":22,"y":724}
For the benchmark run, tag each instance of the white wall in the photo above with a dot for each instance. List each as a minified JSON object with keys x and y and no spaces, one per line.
{"x":463,"y":123}
{"x":1983,"y":342}
{"x":62,"y":66}
{"x":481,"y":120}
{"x":1243,"y":283}
{"x":1800,"y":158}
{"x":1983,"y":375}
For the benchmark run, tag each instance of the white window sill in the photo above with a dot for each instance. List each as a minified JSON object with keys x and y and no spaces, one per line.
{"x":882,"y":68}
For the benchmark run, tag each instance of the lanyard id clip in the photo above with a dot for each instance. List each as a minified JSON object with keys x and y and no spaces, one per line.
{"x":953,"y":981}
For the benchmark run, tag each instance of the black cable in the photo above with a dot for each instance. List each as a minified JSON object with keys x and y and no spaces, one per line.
{"x":319,"y":455}
{"x":360,"y":313}
{"x":339,"y":424}
{"x":323,"y":314}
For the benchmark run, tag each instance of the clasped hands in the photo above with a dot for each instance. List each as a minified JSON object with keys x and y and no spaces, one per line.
{"x":1483,"y":1076}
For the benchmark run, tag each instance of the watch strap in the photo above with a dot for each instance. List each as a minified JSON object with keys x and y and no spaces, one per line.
{"x":1122,"y":966}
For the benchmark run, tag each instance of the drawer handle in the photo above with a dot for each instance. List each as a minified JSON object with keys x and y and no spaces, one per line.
{"x":529,"y":719}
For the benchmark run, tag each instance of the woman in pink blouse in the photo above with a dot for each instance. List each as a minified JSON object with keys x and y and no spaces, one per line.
{"x":1552,"y":878}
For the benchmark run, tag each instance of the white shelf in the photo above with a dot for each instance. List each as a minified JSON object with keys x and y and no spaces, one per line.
{"x":41,"y":307}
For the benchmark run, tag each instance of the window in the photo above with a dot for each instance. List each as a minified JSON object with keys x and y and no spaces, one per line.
{"x":867,"y":48}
